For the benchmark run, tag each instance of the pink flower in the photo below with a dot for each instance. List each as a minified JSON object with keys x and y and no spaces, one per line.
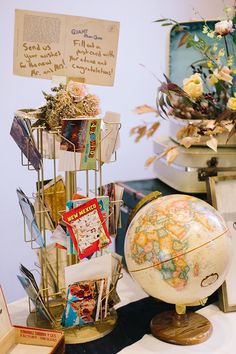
{"x":222,"y":28}
{"x":77,"y":90}
{"x":223,"y":74}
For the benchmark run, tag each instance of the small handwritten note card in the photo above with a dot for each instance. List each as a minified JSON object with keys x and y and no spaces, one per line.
{"x":47,"y":44}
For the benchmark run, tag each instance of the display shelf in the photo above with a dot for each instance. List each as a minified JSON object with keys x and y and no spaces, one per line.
{"x":53,"y":260}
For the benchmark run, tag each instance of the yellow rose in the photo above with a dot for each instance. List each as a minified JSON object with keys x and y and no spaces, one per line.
{"x":212,"y":80}
{"x":193,"y":86}
{"x":231,"y":104}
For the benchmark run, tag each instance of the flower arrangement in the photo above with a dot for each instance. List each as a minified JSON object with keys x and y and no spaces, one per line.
{"x":206,"y":101}
{"x":68,"y":101}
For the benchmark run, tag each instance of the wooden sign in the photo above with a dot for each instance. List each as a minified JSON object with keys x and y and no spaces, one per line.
{"x":47,"y":45}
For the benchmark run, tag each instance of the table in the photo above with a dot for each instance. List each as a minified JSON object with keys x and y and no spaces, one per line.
{"x":222,"y":341}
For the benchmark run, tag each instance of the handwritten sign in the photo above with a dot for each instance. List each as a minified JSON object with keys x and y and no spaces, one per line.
{"x":47,"y":45}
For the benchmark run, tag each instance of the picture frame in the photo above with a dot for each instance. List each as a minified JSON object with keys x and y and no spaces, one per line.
{"x":222,"y":190}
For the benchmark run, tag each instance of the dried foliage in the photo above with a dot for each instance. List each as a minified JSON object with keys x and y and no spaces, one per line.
{"x":170,"y":154}
{"x":146,"y":109}
{"x":68,"y":101}
{"x":146,"y":129}
{"x":207,"y":99}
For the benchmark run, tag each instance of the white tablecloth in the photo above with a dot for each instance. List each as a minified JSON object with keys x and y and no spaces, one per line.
{"x":222,"y":341}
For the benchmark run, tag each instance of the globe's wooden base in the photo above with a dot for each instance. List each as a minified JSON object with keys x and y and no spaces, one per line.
{"x":75,"y":335}
{"x":186,"y":329}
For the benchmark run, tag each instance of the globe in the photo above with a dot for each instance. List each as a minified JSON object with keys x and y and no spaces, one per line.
{"x":178,"y":249}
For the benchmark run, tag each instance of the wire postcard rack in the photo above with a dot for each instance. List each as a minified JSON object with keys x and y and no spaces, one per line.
{"x":53,"y":260}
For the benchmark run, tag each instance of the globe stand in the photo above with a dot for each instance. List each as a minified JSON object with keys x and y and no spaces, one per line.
{"x":179,"y":327}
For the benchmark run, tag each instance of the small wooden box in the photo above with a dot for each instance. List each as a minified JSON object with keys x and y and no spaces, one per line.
{"x":27,"y":340}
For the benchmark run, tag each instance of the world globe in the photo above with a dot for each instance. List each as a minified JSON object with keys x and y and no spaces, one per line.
{"x":178,"y":249}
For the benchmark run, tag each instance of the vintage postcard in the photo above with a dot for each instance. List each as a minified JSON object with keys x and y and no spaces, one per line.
{"x":85,"y":302}
{"x":109,"y":190}
{"x":106,"y":267}
{"x":103,"y":202}
{"x":28,"y":212}
{"x":115,"y":194}
{"x":87,"y":228}
{"x":54,"y":198}
{"x":74,"y":134}
{"x":28,"y":282}
{"x":79,"y":144}
{"x":24,"y":139}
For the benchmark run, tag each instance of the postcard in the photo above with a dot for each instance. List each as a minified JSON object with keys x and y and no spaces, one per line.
{"x":55,"y":198}
{"x":79,"y":144}
{"x":83,"y":302}
{"x":24,"y":139}
{"x":115,"y":194}
{"x":109,"y":190}
{"x":103,"y":202}
{"x":87,"y":228}
{"x":28,"y":282}
{"x":49,"y":44}
{"x":106,"y":268}
{"x":29,"y":217}
{"x":73,"y":134}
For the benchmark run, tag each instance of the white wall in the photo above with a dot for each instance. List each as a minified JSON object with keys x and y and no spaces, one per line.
{"x":141,"y":42}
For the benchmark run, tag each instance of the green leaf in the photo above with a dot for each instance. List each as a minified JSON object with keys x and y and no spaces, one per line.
{"x":207,"y":49}
{"x":189,"y":45}
{"x":234,"y":19}
{"x":234,"y":38}
{"x":199,"y":62}
{"x":205,"y":65}
{"x":167,"y":24}
{"x":162,"y":20}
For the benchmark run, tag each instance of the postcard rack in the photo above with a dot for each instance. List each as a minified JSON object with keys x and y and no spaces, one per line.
{"x":52,"y":260}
